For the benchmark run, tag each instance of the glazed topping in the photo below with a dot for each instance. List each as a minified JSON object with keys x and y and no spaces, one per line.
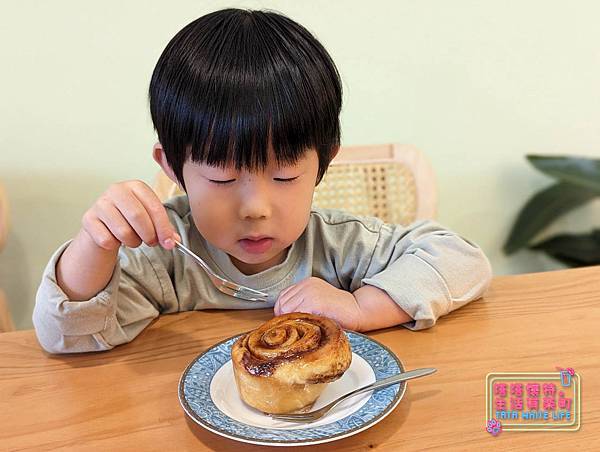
{"x":284,"y":340}
{"x":291,"y":338}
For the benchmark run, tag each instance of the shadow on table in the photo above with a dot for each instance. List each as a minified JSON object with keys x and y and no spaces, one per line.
{"x":370,"y":438}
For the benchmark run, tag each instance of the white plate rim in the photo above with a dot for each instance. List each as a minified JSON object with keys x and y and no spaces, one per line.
{"x":353,"y":431}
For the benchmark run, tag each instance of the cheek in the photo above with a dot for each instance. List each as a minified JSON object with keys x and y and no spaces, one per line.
{"x":296,"y":209}
{"x":210,"y":211}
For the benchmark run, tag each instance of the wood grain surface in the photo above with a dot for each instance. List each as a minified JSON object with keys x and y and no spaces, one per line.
{"x":126,"y":399}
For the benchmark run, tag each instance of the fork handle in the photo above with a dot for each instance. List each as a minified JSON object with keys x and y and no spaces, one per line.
{"x":317,"y":414}
{"x":393,"y":379}
{"x":188,"y":252}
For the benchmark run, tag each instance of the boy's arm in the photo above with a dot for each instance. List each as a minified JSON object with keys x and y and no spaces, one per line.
{"x":427,"y":270}
{"x":138,"y":289}
{"x":84,"y":269}
{"x":128,"y":213}
{"x":377,"y":309}
{"x":395,"y":275}
{"x":87,"y":301}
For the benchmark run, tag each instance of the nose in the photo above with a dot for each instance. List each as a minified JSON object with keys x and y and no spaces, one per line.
{"x":255,"y":200}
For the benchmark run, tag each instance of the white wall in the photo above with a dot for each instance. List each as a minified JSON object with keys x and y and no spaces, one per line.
{"x":476,"y":85}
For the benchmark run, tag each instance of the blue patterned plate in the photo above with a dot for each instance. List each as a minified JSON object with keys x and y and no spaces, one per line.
{"x":208,"y":394}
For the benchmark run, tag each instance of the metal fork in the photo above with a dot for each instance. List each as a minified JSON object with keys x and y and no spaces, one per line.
{"x":317,"y":414}
{"x":224,"y":285}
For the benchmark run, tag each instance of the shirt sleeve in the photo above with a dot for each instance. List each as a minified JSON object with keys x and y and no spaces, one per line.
{"x":427,"y":270}
{"x":114,"y":316}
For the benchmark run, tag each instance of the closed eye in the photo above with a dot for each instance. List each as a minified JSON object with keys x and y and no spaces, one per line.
{"x":280,"y":179}
{"x":221,"y":182}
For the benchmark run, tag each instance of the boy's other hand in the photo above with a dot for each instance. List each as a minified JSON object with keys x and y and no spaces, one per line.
{"x":316,"y":296}
{"x":129,"y":213}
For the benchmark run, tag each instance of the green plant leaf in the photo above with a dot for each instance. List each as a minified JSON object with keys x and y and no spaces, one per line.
{"x":542,"y":209}
{"x":581,"y":171}
{"x":575,"y":250}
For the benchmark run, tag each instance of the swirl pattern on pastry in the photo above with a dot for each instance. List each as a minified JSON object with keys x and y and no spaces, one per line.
{"x":289,"y":357}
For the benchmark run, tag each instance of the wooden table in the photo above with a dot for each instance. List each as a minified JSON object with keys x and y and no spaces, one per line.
{"x":127,"y":398}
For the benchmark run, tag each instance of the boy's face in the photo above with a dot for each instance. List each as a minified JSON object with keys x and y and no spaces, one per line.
{"x":252,"y":216}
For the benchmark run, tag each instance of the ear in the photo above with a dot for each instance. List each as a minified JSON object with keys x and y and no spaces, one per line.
{"x":158,"y":154}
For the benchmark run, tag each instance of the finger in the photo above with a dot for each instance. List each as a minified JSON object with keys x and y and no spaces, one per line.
{"x":304,"y":305}
{"x":292,"y":304}
{"x":116,"y":223}
{"x":98,"y":231}
{"x":293,"y":289}
{"x":164,"y":229}
{"x":283,"y":298}
{"x":134,"y":212}
{"x":285,"y":293}
{"x":278,"y":308}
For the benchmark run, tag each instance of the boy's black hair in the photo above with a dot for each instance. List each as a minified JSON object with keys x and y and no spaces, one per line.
{"x":234,"y":81}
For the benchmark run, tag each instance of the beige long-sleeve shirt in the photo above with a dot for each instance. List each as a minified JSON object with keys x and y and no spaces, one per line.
{"x":426,"y":269}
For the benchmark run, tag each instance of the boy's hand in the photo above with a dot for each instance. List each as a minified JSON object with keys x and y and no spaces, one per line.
{"x":315,"y":296}
{"x":129,"y":213}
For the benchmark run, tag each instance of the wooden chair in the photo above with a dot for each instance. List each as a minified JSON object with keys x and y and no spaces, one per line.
{"x":394,"y":182}
{"x":6,"y":323}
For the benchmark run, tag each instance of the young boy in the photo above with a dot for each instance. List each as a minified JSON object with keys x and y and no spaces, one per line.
{"x":246,"y":105}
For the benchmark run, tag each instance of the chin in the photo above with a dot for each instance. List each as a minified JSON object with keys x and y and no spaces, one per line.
{"x":251,"y":259}
{"x":257,"y":259}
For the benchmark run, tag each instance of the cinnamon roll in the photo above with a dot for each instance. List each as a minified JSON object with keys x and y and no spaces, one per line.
{"x":285,"y":364}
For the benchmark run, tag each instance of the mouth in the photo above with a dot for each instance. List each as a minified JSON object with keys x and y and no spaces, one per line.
{"x":256,"y":244}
